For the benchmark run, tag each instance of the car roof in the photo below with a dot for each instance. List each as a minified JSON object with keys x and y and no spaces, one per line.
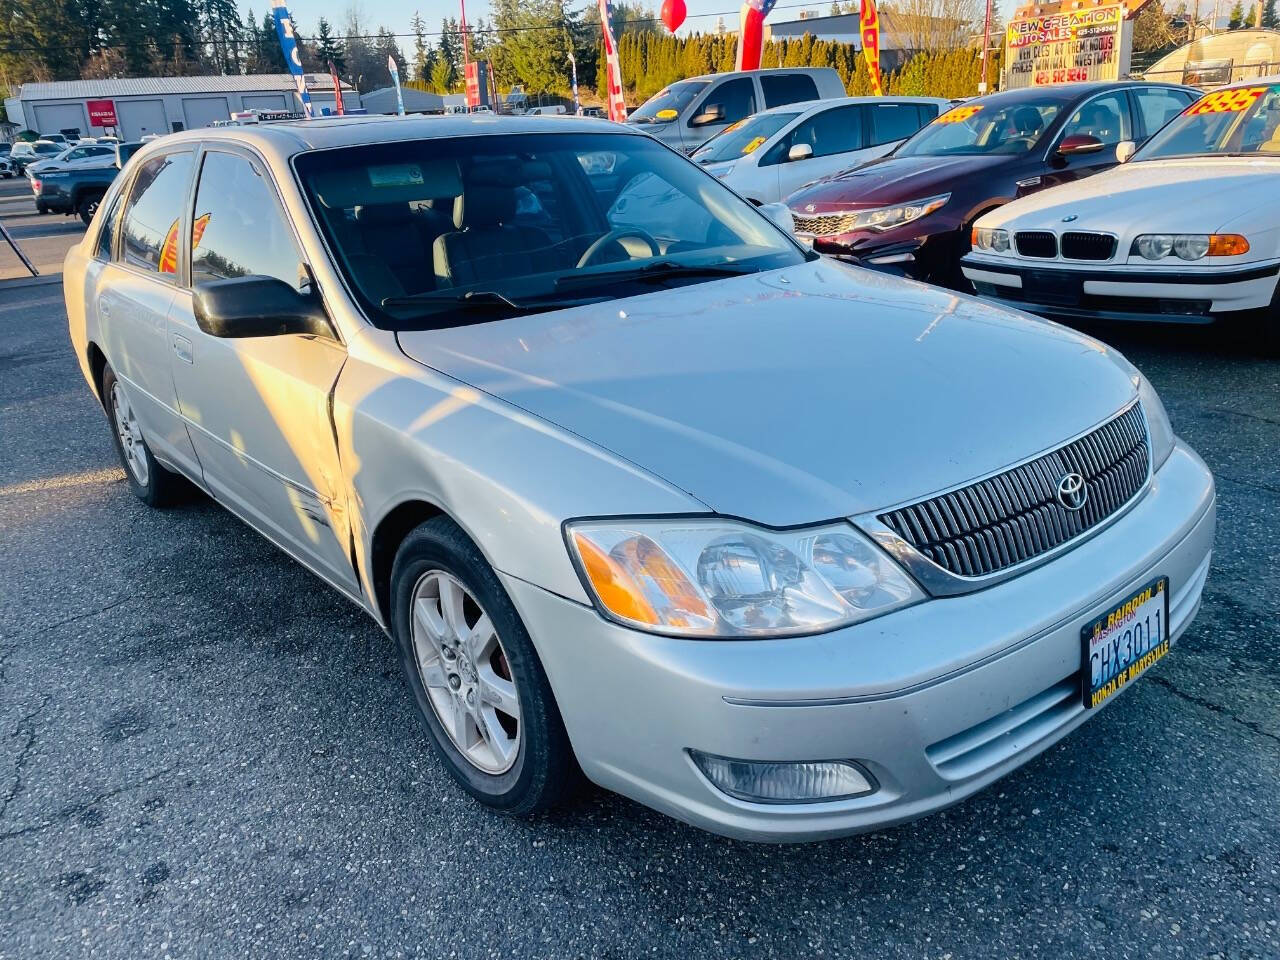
{"x":1255,"y":82}
{"x":1065,"y":92}
{"x":805,"y":106}
{"x":288,"y":137}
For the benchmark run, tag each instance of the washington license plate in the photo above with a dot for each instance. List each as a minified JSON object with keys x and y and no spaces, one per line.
{"x":1117,"y":647}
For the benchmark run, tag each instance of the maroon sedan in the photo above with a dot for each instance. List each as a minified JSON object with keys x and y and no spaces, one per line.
{"x":911,"y":211}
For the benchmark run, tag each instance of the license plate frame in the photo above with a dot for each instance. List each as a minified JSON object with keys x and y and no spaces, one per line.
{"x":1127,"y":638}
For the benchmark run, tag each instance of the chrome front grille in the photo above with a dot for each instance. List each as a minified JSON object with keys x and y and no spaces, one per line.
{"x":1015,"y":516}
{"x":825,"y":225}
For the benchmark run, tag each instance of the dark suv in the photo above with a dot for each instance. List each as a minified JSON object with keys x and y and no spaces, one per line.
{"x":911,"y":211}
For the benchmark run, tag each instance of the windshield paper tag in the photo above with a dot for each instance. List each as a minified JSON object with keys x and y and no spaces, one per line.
{"x":753,"y":144}
{"x":396,"y":175}
{"x":1227,"y":101}
{"x":959,"y":114}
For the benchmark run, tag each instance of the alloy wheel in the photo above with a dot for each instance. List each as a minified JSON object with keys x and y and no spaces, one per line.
{"x":135,"y":452}
{"x":465,"y":672}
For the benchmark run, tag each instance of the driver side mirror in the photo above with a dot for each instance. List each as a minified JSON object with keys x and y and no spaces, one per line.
{"x":800,"y":151}
{"x":1079,"y":143}
{"x":780,"y":215}
{"x":258,"y":306}
{"x":1125,"y":149}
{"x":711,"y":113}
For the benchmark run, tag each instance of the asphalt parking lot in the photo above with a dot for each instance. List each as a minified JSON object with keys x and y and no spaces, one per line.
{"x":44,"y":239}
{"x":204,"y":752}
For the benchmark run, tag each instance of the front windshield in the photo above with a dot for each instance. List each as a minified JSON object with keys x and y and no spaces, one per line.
{"x":440,"y":232}
{"x":742,"y":138}
{"x":984,"y":128}
{"x":667,"y":104}
{"x":49,"y":149}
{"x":1241,"y":120}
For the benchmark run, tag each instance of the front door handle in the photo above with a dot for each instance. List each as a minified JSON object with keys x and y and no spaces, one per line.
{"x":182,"y":347}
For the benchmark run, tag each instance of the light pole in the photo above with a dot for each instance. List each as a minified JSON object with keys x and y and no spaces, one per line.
{"x":986,"y":48}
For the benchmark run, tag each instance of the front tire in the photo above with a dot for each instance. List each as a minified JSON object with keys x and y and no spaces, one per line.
{"x":479,"y":686}
{"x":150,"y":482}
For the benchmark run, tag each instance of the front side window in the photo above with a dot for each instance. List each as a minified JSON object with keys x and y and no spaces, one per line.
{"x":444,"y":231}
{"x":730,"y":102}
{"x":238,"y":229}
{"x":1008,"y":128}
{"x":838,"y":130}
{"x":1159,"y":105}
{"x":154,"y":212}
{"x":1238,"y":120}
{"x":780,"y":88}
{"x":1104,"y":118}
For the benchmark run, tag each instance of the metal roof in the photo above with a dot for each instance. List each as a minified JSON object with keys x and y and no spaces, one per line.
{"x":157,"y":86}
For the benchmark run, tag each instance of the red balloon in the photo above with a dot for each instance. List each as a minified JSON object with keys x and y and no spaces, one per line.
{"x":673,"y":14}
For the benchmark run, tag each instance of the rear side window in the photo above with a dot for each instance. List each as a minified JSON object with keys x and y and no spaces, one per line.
{"x":737,"y":99}
{"x":780,"y":88}
{"x":154,"y":212}
{"x":893,"y":121}
{"x":238,"y":229}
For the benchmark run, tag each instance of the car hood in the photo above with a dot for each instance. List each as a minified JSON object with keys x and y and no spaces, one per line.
{"x":1173,"y":196}
{"x":817,"y":391}
{"x":891,"y":180}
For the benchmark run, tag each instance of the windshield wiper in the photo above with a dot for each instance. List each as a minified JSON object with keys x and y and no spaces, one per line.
{"x":654,"y":270}
{"x":484,"y":299}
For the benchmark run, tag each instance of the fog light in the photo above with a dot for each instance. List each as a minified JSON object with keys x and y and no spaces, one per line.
{"x":785,"y":782}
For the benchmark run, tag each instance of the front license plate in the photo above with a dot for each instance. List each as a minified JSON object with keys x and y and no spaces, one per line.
{"x":1124,"y":641}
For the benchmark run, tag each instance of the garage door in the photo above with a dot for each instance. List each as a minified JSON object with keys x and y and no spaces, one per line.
{"x":140,"y":117}
{"x":58,"y":117}
{"x":264,"y":101}
{"x":203,"y":111}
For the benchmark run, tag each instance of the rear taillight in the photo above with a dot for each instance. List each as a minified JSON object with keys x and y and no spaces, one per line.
{"x":35,"y":186}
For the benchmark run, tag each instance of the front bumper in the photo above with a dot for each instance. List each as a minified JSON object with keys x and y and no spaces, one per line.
{"x":936,"y":701}
{"x":1191,"y":294}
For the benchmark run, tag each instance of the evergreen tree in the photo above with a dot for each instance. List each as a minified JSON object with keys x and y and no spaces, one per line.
{"x":1269,"y":21}
{"x":423,"y":55}
{"x":328,"y":48}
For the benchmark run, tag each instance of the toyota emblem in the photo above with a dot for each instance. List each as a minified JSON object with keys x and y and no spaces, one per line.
{"x":1072,"y":493}
{"x":809,"y":208}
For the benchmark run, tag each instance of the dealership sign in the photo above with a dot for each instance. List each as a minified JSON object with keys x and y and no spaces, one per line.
{"x":102,"y":113}
{"x":1067,"y":47}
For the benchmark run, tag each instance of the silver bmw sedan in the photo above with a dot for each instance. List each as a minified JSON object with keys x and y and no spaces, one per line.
{"x":641,"y":488}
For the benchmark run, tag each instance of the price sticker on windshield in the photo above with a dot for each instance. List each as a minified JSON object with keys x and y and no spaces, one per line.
{"x":755,"y":142}
{"x":959,"y":114}
{"x":1226,"y":101}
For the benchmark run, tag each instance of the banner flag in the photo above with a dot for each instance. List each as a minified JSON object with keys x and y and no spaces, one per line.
{"x":869,"y":21}
{"x":613,"y":69}
{"x":394,"y":69}
{"x":337,"y":88}
{"x":751,"y":33}
{"x":289,"y":47}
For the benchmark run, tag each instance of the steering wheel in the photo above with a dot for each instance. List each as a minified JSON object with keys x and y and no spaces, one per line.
{"x":613,"y":236}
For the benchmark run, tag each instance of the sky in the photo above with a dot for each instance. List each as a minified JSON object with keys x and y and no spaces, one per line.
{"x":396,"y":14}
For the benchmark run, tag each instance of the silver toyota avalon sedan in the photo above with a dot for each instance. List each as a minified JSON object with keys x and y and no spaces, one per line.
{"x":642,"y":489}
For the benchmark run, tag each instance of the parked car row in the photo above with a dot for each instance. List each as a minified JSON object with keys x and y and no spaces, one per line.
{"x":75,"y":181}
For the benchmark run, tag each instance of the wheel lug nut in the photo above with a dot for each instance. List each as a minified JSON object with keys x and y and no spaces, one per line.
{"x":455,"y":681}
{"x":471,"y":698}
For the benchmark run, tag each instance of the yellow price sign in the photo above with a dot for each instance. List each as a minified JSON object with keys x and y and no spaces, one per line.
{"x":1226,"y":101}
{"x":959,"y":114}
{"x":755,"y":142}
{"x":667,"y":114}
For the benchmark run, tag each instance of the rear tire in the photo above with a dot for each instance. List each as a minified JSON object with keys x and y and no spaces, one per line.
{"x":150,"y":482}
{"x":87,"y":207}
{"x":459,"y":635}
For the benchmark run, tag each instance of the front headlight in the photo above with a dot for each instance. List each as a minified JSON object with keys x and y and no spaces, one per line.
{"x":722,"y":578}
{"x":886,"y":218}
{"x":990,"y":238}
{"x":1188,"y":246}
{"x":1159,"y":429}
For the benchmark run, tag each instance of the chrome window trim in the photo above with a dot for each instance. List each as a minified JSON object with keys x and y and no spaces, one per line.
{"x":940,"y":582}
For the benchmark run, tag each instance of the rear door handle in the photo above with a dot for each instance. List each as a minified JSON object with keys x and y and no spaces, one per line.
{"x":182,"y":347}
